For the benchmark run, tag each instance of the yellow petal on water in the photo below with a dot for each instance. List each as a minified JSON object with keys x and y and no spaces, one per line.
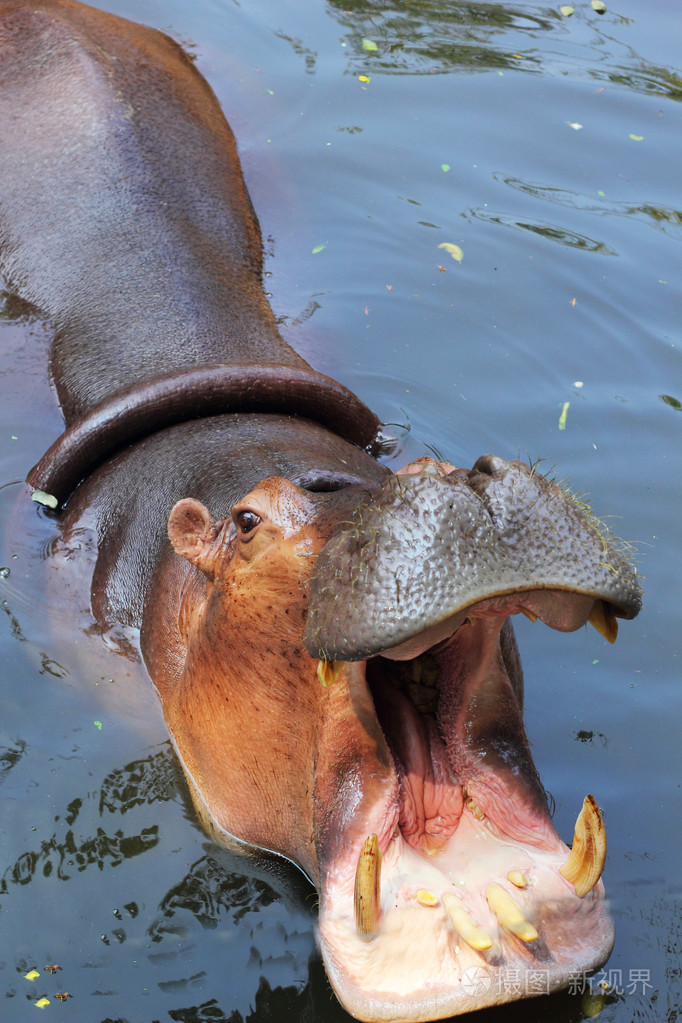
{"x":454,"y":250}
{"x":637,"y":138}
{"x":599,"y":6}
{"x":42,"y":1003}
{"x":364,"y":78}
{"x":566,"y":10}
{"x":31,"y":975}
{"x":564,"y":413}
{"x":319,"y":248}
{"x":370,"y":46}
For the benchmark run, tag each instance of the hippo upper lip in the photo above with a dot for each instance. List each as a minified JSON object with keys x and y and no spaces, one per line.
{"x":421,"y":550}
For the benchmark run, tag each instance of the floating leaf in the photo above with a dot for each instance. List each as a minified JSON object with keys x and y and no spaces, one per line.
{"x":98,"y":724}
{"x":599,"y":6}
{"x":564,"y":413}
{"x":673,"y":402}
{"x":576,"y":125}
{"x":364,"y":78}
{"x":368,"y":45}
{"x":40,"y":497}
{"x":31,"y":975}
{"x":319,"y":248}
{"x":42,"y":1003}
{"x":566,"y":10}
{"x":445,"y":167}
{"x":454,"y":250}
{"x":637,"y":138}
{"x":591,"y":1004}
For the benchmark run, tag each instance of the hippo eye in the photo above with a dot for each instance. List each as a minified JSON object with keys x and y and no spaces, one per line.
{"x":246,"y":521}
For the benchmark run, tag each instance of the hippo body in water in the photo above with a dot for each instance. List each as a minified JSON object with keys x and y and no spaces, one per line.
{"x":329,"y":640}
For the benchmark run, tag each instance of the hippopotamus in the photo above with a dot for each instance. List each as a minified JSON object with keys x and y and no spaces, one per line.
{"x":330,"y":641}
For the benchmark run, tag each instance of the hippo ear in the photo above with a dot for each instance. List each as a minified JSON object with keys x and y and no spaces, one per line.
{"x":192,"y":532}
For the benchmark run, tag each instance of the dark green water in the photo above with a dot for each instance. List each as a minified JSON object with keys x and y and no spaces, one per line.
{"x":563,"y":139}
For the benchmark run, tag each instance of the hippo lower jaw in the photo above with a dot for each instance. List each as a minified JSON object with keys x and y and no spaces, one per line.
{"x":418,"y":923}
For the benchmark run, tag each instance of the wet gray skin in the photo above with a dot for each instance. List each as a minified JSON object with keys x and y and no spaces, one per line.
{"x":424,"y":548}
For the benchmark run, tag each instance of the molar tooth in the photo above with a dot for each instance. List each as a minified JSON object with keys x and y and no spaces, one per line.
{"x":463,"y":922}
{"x":509,"y":914}
{"x":604,"y":621}
{"x":475,"y":810}
{"x":517,"y":878}
{"x":328,"y":671}
{"x":584,"y":866}
{"x":425,"y":897}
{"x":368,"y":887}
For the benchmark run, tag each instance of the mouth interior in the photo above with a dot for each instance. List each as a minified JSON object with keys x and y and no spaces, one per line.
{"x":452,"y":716}
{"x":461,"y":868}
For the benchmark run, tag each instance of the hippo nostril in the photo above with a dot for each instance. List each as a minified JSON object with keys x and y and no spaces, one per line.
{"x":491,"y":465}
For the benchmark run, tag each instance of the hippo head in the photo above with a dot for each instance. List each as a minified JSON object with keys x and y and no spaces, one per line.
{"x":350,"y":697}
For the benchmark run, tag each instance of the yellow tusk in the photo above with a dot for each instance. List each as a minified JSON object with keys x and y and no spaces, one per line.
{"x":328,"y":671}
{"x":463,"y":922}
{"x":517,"y":878}
{"x":584,"y":866}
{"x":509,"y":914}
{"x":530,"y":615}
{"x":368,"y":887}
{"x":604,"y":621}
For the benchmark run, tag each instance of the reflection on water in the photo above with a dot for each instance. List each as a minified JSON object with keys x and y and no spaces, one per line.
{"x":438,"y":36}
{"x":552,"y":233}
{"x":210,"y":895}
{"x":667,"y":219}
{"x":10,"y":757}
{"x":143,"y":782}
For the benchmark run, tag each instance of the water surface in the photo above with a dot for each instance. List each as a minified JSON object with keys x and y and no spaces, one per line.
{"x":547,"y":149}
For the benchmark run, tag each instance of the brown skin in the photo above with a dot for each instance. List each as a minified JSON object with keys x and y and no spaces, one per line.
{"x":238,"y":632}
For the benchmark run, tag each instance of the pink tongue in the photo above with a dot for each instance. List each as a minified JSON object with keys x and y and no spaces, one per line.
{"x":431,"y":797}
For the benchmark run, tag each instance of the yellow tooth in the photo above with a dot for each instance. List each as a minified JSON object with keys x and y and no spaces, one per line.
{"x":368,"y":887}
{"x":328,"y":671}
{"x":531,"y":615}
{"x":517,"y":878}
{"x":604,"y":621}
{"x":584,"y":866}
{"x":463,"y":922}
{"x":475,"y":810}
{"x":426,"y":898}
{"x":509,"y":914}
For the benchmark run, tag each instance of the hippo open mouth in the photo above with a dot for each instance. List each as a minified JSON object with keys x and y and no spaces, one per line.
{"x":447,"y":887}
